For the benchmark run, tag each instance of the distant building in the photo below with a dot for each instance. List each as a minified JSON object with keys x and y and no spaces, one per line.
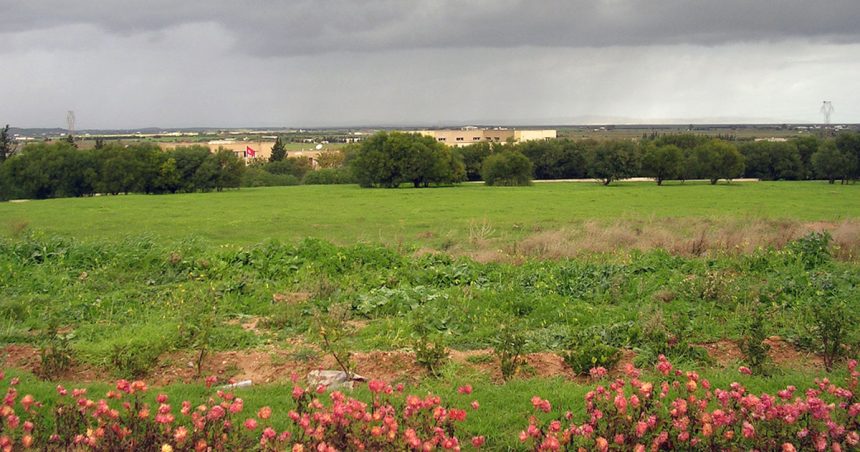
{"x":471,"y":135}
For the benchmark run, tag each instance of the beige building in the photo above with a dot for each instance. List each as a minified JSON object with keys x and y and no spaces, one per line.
{"x":471,"y":135}
{"x":262,"y":149}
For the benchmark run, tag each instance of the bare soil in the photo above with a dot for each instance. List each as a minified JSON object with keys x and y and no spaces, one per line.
{"x":279,"y":364}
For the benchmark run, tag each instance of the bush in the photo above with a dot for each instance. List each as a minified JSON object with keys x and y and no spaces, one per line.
{"x":509,"y":347}
{"x":587,"y":356}
{"x":256,"y":177}
{"x":329,"y":176}
{"x":812,"y":249}
{"x":508,"y":168}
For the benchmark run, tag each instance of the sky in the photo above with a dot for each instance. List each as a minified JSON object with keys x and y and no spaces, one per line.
{"x":327,"y":63}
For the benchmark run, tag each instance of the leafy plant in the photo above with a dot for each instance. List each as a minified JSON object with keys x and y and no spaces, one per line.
{"x":812,"y":250}
{"x":587,"y":356}
{"x":133,"y":359}
{"x":753,"y":335}
{"x":55,"y":352}
{"x":334,"y":332}
{"x":509,"y":346}
{"x":196,"y":327}
{"x":828,"y":320}
{"x":430,"y":347}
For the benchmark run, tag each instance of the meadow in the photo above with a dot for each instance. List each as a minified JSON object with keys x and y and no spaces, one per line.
{"x":241,"y":284}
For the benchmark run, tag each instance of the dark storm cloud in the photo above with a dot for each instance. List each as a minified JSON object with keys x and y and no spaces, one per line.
{"x":317,"y":26}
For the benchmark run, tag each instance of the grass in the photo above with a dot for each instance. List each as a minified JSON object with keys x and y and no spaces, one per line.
{"x":430,"y":217}
{"x":143,"y":273}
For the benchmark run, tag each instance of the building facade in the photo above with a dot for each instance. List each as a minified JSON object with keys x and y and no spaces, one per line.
{"x":471,"y":135}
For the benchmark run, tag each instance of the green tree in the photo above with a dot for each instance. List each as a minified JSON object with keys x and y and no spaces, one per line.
{"x":613,"y":160}
{"x":830,"y":163}
{"x":806,"y":146}
{"x":662,"y":162}
{"x":717,"y":160}
{"x":230,"y":169}
{"x":388,"y":159}
{"x":849,"y":143}
{"x":7,"y":145}
{"x":772,"y":160}
{"x":279,"y":151}
{"x":508,"y":168}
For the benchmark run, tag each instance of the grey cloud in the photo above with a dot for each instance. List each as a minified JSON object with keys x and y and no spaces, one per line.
{"x":267,"y":27}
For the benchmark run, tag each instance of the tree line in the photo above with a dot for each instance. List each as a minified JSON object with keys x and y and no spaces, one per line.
{"x":677,"y":157}
{"x":58,"y":169}
{"x":389,"y":159}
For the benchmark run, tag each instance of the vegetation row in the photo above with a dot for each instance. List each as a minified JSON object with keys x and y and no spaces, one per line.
{"x":120,"y":306}
{"x":389,"y":159}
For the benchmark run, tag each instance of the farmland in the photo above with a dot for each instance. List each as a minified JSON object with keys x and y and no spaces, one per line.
{"x":142,"y":286}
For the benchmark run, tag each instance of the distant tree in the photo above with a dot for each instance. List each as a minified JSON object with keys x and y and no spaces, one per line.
{"x":230,"y":169}
{"x":684,"y":141}
{"x":717,"y":160}
{"x":473,"y":157}
{"x":613,"y":160}
{"x":168,"y":180}
{"x":71,"y":140}
{"x":188,"y":160}
{"x":387,"y":159}
{"x":7,"y":144}
{"x":830,"y":163}
{"x":662,"y":162}
{"x":508,"y":168}
{"x":557,"y":159}
{"x":330,"y":159}
{"x":849,"y":143}
{"x":295,"y":166}
{"x":806,"y":146}
{"x":772,"y":160}
{"x":279,"y":151}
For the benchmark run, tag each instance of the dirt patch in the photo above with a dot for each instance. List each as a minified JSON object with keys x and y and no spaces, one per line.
{"x":727,"y":353}
{"x":291,"y":297}
{"x":279,"y":364}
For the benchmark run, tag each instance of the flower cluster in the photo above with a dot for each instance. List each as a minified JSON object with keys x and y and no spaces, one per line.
{"x":321,"y":421}
{"x":683,"y":411}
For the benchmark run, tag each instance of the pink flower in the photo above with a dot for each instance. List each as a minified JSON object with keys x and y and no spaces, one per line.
{"x":478,"y":441}
{"x":376,"y":386}
{"x":475,"y":405}
{"x":298,"y":392}
{"x":215,"y":413}
{"x":598,"y":372}
{"x":745,"y":370}
{"x":541,"y":404}
{"x":211,"y":380}
{"x":620,"y":403}
{"x":250,"y":423}
{"x":467,"y":389}
{"x":162,"y":398}
{"x":748,"y":430}
{"x":601,"y":444}
{"x":180,"y":435}
{"x":264,"y":413}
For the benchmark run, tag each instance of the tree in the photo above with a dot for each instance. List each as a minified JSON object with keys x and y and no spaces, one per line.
{"x":7,"y":145}
{"x":473,"y":157}
{"x":613,"y":160}
{"x":279,"y":151}
{"x":717,"y":160}
{"x":849,"y":143}
{"x":772,"y":160}
{"x":830,"y":163}
{"x":662,"y":162}
{"x":387,"y":159}
{"x":806,"y":146}
{"x":230,"y":169}
{"x":509,"y":168}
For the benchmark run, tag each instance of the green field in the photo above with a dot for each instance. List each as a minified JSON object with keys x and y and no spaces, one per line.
{"x":136,"y":286}
{"x":348,"y":214}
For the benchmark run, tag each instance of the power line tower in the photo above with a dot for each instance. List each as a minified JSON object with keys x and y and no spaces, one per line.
{"x":827,"y":110}
{"x":70,"y":122}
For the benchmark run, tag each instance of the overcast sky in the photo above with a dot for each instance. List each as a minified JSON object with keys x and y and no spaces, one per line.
{"x":230,"y":63}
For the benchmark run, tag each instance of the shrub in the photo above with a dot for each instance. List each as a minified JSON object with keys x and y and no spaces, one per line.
{"x":329,"y":176}
{"x":334,"y":333}
{"x":828,"y":321}
{"x":811,"y":250}
{"x":509,"y":346}
{"x":508,"y":168}
{"x":589,"y":355}
{"x":752,"y":344}
{"x":133,"y":359}
{"x":55,"y":352}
